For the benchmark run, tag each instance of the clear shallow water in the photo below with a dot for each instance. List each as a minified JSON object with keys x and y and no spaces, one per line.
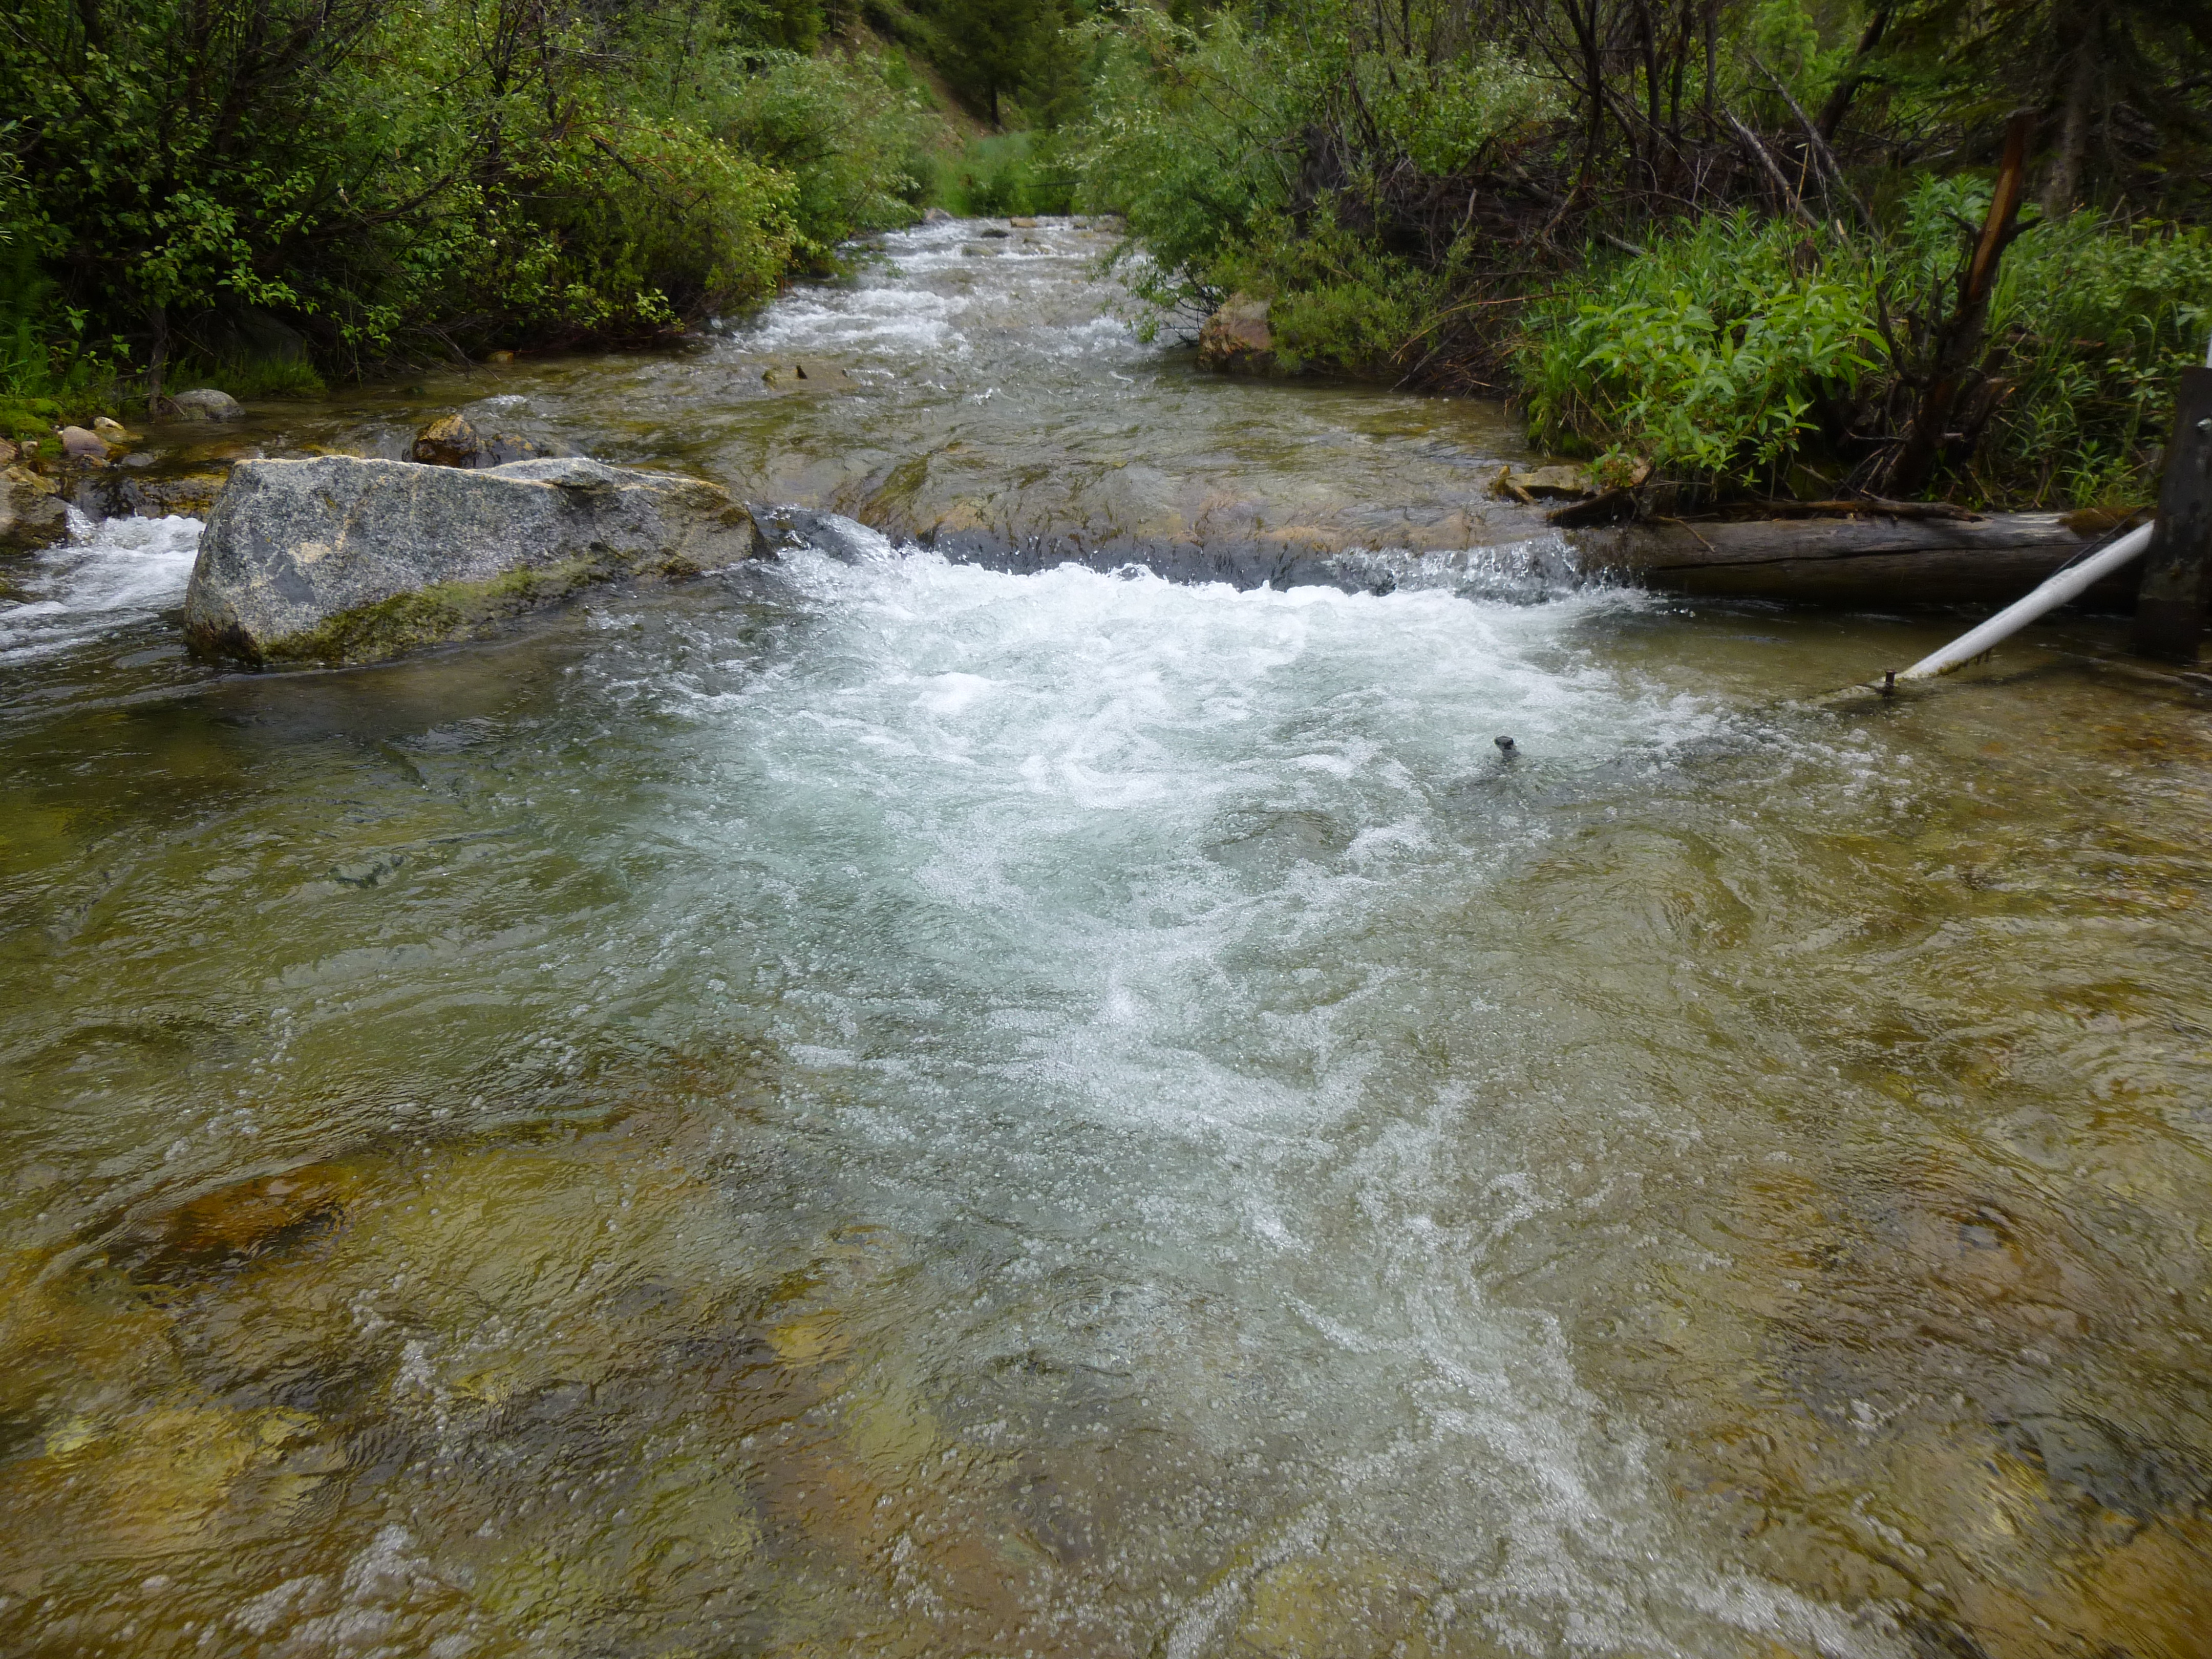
{"x":902,"y":1107}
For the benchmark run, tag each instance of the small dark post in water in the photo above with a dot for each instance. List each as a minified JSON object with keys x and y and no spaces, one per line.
{"x":2177,"y":579}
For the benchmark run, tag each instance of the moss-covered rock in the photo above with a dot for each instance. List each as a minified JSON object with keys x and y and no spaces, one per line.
{"x":339,"y":559}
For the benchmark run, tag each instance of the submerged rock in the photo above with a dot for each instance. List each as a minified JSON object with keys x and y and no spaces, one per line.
{"x":808,"y":374}
{"x":147,"y":489}
{"x":206,"y":404}
{"x":247,"y":1219}
{"x":343,"y":559}
{"x":847,"y":540}
{"x":31,"y":515}
{"x":1237,"y":340}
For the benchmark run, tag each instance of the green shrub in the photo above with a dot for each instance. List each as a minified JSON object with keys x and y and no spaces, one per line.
{"x":1198,"y":140}
{"x":1337,"y":302}
{"x":392,"y":179}
{"x":1446,"y":115}
{"x":1002,"y":173}
{"x":1715,"y":352}
{"x":2095,"y":320}
{"x":250,"y":378}
{"x":1189,"y":144}
{"x":1706,"y":354}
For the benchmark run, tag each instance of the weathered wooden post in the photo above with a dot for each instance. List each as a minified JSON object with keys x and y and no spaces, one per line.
{"x":2177,"y":580}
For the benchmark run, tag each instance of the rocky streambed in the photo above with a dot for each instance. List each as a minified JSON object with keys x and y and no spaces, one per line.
{"x":872,"y":1102}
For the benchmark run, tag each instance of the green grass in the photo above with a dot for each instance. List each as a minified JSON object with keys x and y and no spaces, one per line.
{"x":250,"y":378}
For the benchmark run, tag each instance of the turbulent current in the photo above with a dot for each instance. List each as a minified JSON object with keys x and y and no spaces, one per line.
{"x":920,"y":1098}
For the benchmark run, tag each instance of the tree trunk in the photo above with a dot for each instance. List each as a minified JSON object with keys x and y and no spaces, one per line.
{"x":1875,"y":560}
{"x":1957,"y":349}
{"x":157,"y":356}
{"x":1839,"y":100}
{"x":2064,"y":183}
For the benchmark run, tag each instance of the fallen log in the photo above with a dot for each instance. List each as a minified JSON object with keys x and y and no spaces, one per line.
{"x":1875,"y":561}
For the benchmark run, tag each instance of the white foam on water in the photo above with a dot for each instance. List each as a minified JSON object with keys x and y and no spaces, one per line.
{"x":107,"y":576}
{"x":930,"y":298}
{"x":1052,"y":862}
{"x":900,"y":320}
{"x":1123,"y":783}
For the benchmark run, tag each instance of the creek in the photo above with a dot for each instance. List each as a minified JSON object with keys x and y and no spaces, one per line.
{"x":941,"y":1102}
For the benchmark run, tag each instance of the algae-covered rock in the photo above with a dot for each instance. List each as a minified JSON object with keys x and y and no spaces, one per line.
{"x":1347,"y":1605}
{"x":246,"y":1219}
{"x":339,"y":559}
{"x":1555,"y":483}
{"x":157,"y":1482}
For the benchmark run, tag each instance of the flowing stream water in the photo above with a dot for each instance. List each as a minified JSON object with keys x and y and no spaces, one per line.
{"x":905,"y":1101}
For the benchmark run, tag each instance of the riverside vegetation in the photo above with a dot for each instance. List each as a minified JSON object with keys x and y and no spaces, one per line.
{"x":1736,"y":240}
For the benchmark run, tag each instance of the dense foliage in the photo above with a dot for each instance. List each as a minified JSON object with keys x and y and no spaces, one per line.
{"x":341,"y":182}
{"x":1742,"y":348}
{"x":1751,"y":241}
{"x":1734,"y":239}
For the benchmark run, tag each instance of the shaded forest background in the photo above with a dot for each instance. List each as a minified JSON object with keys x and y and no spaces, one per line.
{"x":1756,"y":246}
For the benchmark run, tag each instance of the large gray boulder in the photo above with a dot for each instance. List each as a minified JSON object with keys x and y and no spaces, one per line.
{"x":341,"y":560}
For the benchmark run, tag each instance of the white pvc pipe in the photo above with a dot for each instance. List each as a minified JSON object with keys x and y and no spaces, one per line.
{"x":2068,"y":584}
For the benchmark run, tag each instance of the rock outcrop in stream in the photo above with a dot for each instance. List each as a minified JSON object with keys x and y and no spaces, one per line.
{"x":31,"y":515}
{"x":343,"y":559}
{"x":1237,"y":339}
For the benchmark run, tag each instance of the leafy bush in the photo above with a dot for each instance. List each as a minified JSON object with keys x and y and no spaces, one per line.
{"x":1203,"y":142}
{"x":1337,"y":302}
{"x":1189,"y":144}
{"x":1724,"y":353}
{"x":840,"y":133}
{"x":392,"y":177}
{"x":1444,"y":116}
{"x":2095,"y":320}
{"x":1707,"y":353}
{"x":1004,"y":173}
